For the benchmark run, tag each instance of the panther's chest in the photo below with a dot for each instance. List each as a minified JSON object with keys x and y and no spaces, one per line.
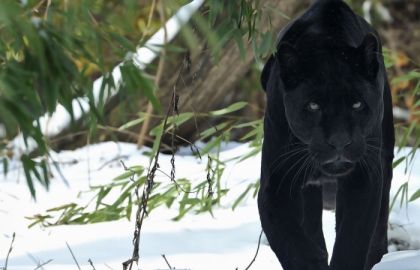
{"x":329,"y":189}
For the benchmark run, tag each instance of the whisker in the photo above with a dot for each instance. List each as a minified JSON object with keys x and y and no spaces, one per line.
{"x":285,"y":153}
{"x":296,"y":177}
{"x":373,"y":147}
{"x":295,"y":153}
{"x":311,"y":162}
{"x":373,"y":140}
{"x":364,"y":167}
{"x":372,"y":162}
{"x":284,"y":175}
{"x":288,"y":146}
{"x":314,"y":165}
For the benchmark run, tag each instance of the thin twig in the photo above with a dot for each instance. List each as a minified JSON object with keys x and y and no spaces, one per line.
{"x":38,"y":6}
{"x":142,"y":209}
{"x":209,"y":177}
{"x":194,"y":148}
{"x":47,"y":9}
{"x":177,"y":185}
{"x":43,"y":264}
{"x":166,"y":260}
{"x":256,"y":253}
{"x":38,"y":263}
{"x":158,"y":78}
{"x":10,"y":251}
{"x":72,"y":254}
{"x":175,"y":113}
{"x":109,"y":267}
{"x":112,"y":160}
{"x":132,"y":135}
{"x":141,"y":212}
{"x":91,"y":264}
{"x":150,"y":17}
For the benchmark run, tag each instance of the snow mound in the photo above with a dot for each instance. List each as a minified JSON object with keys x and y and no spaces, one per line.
{"x":400,"y":260}
{"x":228,"y":240}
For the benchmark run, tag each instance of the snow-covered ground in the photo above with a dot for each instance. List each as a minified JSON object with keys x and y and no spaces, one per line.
{"x":226,"y":241}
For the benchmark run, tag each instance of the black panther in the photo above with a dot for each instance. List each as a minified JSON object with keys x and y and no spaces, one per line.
{"x":328,"y":119}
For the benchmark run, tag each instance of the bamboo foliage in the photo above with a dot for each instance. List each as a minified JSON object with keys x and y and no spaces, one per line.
{"x":51,"y":52}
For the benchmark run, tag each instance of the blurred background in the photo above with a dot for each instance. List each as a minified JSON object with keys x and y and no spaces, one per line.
{"x":58,"y":90}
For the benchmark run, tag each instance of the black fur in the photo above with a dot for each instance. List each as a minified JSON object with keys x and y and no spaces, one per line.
{"x":328,"y":118}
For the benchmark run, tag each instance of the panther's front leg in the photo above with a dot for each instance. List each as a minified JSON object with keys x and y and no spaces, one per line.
{"x":281,"y":219}
{"x":358,"y":207}
{"x":379,"y":245}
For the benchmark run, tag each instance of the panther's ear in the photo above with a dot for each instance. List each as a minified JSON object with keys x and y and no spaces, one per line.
{"x":288,"y":59}
{"x":265,"y":75}
{"x":368,"y":52}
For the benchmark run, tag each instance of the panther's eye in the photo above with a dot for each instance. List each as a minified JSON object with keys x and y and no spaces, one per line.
{"x":357,"y":106}
{"x":313,"y":107}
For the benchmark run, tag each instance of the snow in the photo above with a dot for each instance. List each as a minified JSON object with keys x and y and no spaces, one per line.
{"x":226,"y":241}
{"x":406,"y":260}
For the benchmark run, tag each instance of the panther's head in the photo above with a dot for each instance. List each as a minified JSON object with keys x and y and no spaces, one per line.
{"x":333,"y":99}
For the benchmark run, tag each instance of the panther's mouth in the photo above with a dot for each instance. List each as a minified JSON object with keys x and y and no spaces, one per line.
{"x":337,"y":168}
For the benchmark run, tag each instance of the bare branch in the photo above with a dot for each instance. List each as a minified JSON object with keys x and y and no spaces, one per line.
{"x":91,"y":264}
{"x":166,"y":260}
{"x":10,"y":251}
{"x":40,"y":266}
{"x":72,"y":254}
{"x":256,"y":253}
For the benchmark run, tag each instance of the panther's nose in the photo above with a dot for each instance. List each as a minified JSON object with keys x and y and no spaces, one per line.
{"x":339,"y":141}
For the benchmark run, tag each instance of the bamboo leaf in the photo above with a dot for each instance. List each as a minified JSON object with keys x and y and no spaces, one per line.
{"x":241,"y":197}
{"x":231,"y":108}
{"x":415,"y":196}
{"x":397,"y":162}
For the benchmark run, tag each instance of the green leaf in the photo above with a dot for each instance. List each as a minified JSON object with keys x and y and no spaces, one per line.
{"x":148,"y":89}
{"x":190,"y":38}
{"x":5,"y":166}
{"x":211,"y":145}
{"x":257,"y":188}
{"x":28,"y":167}
{"x":131,"y":171}
{"x":279,"y":12}
{"x":123,"y":41}
{"x":397,"y":162}
{"x":157,"y":132}
{"x":250,"y":134}
{"x":252,"y":153}
{"x":249,"y":124}
{"x":232,"y":108}
{"x":415,"y":196}
{"x":407,"y":134}
{"x":266,"y":46}
{"x":131,"y":123}
{"x":129,"y":208}
{"x":407,"y":77}
{"x":213,"y":130}
{"x":101,"y":195}
{"x":178,"y":119}
{"x":134,"y":80}
{"x":403,"y":193}
{"x":241,"y":197}
{"x":190,"y":201}
{"x":63,"y":207}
